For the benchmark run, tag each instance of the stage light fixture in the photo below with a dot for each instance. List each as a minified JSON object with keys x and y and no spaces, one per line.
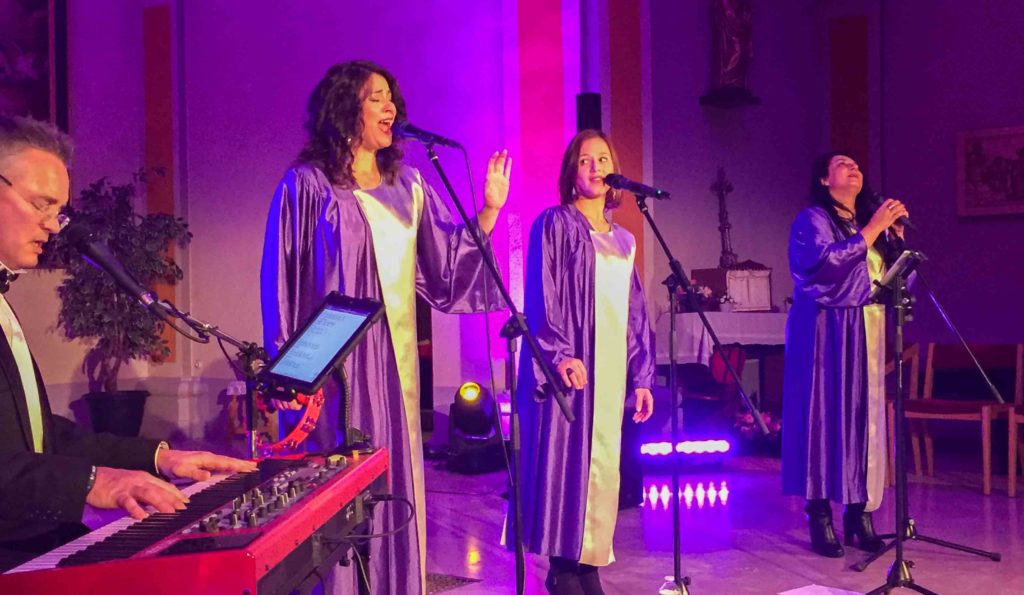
{"x":474,"y":445}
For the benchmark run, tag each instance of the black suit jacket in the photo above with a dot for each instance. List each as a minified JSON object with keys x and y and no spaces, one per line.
{"x":41,"y":492}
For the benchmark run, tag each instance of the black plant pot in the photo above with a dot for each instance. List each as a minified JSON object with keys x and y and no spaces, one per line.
{"x":119,"y":412}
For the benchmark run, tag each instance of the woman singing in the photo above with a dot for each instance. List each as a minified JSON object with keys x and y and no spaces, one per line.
{"x":349,"y":216}
{"x":834,"y":396}
{"x":585,"y":305}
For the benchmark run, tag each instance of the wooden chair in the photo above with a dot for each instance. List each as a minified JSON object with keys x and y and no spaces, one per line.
{"x":1015,"y":417}
{"x":912,"y":367}
{"x":973,"y":404}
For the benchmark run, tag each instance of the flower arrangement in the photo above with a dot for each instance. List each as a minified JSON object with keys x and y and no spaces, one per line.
{"x":749,"y":433}
{"x":726,"y":303}
{"x":702,"y":294}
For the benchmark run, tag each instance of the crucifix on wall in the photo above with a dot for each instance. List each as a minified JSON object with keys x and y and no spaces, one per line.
{"x":721,"y":188}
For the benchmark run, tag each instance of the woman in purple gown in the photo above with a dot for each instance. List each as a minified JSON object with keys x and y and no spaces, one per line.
{"x":834,"y":394}
{"x":585,"y":305}
{"x":349,"y":216}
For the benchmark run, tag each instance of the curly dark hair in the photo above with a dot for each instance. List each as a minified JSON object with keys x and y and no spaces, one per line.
{"x":865,"y":204}
{"x":570,"y":166}
{"x":334,"y":122}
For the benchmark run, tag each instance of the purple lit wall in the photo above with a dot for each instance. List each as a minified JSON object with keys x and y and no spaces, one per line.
{"x":951,"y":68}
{"x":764,"y":149}
{"x":503,"y":73}
{"x":248,"y":74}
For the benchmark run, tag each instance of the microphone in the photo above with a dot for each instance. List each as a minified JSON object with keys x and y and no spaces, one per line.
{"x":624,"y":183}
{"x":407,"y":130}
{"x":99,"y":255}
{"x":877,"y":198}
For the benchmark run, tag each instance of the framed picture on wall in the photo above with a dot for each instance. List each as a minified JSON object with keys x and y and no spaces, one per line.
{"x":33,"y":60}
{"x":990,"y":172}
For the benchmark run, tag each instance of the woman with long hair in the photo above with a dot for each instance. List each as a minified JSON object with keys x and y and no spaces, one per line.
{"x":585,"y":305}
{"x":834,"y":389}
{"x":349,"y":216}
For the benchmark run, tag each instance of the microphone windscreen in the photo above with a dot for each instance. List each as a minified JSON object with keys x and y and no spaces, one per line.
{"x":614,"y":180}
{"x":77,"y":235}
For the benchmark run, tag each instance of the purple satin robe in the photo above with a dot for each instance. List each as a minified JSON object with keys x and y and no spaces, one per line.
{"x":318,"y":240}
{"x":559,"y":310}
{"x":825,"y":394}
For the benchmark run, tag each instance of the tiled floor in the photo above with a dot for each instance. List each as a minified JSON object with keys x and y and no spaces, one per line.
{"x":744,"y":539}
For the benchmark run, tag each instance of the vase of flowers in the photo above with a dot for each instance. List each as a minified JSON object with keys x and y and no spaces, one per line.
{"x":726,"y":303}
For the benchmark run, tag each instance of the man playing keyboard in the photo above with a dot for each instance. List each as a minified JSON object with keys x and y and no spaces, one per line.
{"x":49,"y":470}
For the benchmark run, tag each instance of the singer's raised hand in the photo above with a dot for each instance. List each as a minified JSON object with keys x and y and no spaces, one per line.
{"x":885,"y":216}
{"x":499,"y":170}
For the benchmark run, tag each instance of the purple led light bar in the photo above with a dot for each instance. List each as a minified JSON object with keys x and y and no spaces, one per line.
{"x":686,"y":447}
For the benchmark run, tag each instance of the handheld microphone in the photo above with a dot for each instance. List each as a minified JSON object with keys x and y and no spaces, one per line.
{"x":98,"y":254}
{"x":407,"y":130}
{"x":877,"y":198}
{"x":624,"y":183}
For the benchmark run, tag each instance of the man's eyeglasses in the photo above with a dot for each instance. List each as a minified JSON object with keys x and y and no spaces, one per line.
{"x":46,"y":211}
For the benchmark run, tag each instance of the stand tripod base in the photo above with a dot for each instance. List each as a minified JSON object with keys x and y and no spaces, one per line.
{"x":911,"y":534}
{"x":899,"y":578}
{"x":671,"y":587}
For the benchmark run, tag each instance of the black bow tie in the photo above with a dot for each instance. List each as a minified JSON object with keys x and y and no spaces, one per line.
{"x":6,"y":278}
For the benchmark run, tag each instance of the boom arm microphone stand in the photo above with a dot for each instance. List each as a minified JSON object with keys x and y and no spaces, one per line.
{"x":678,"y":279}
{"x":514,"y":328}
{"x":899,"y":573}
{"x":251,"y":356}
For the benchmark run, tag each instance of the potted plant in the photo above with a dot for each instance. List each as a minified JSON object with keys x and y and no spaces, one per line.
{"x":94,"y":308}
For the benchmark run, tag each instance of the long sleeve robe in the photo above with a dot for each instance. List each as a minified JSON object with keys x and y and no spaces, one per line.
{"x":833,"y":427}
{"x":388,"y":243}
{"x":558,"y":511}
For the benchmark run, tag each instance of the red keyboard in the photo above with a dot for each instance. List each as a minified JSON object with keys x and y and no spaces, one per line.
{"x":258,"y":532}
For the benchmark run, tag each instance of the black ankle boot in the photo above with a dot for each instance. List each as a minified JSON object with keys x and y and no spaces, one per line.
{"x":563,"y":577}
{"x":823,"y":535}
{"x":589,"y":580}
{"x":858,"y":523}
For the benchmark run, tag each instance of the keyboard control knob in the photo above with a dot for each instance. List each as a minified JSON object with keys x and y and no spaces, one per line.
{"x":251,"y":520}
{"x":210,"y":525}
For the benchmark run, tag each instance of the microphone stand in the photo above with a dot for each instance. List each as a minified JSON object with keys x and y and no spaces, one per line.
{"x":906,"y":530}
{"x":515,"y":327}
{"x":678,"y":279}
{"x":251,"y":356}
{"x":510,"y":331}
